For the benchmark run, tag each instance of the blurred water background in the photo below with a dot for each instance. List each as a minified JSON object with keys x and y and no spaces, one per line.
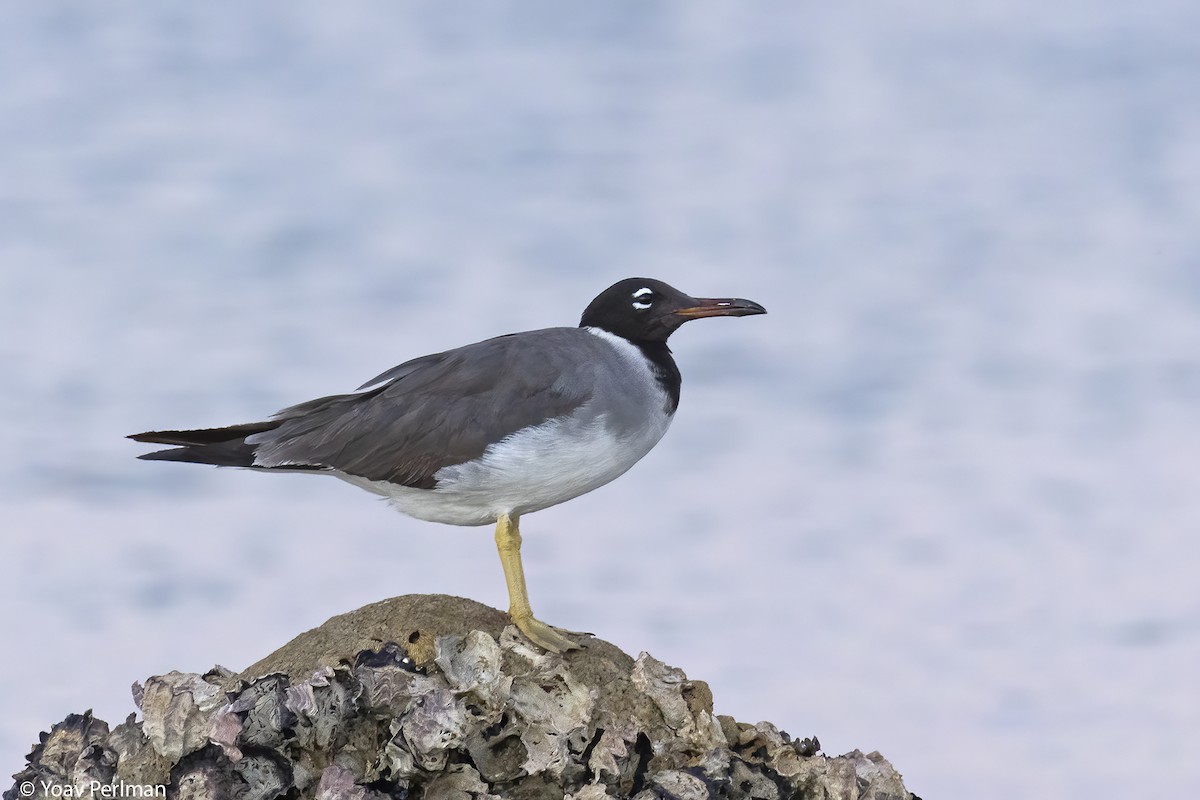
{"x":941,"y":502}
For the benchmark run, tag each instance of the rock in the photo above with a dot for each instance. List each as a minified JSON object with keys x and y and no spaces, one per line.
{"x":440,"y":698}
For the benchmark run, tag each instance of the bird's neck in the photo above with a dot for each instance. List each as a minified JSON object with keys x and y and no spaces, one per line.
{"x":665,"y":371}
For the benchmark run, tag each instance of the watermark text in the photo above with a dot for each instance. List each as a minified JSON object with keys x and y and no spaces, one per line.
{"x":91,"y":789}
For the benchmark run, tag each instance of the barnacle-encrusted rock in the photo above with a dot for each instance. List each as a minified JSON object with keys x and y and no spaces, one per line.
{"x":439,"y":698}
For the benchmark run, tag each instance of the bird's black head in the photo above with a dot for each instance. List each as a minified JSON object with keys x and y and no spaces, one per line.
{"x":646,"y":310}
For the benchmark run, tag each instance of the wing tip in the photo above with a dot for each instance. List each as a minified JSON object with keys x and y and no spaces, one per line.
{"x":170,"y":454}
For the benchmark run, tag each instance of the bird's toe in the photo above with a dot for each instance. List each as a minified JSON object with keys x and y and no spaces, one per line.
{"x":544,"y":636}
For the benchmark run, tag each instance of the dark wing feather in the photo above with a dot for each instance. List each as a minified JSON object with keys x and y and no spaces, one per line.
{"x":204,"y":435}
{"x":224,"y":447}
{"x":435,"y":411}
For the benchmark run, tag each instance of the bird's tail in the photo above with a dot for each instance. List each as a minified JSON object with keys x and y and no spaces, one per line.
{"x":224,"y":447}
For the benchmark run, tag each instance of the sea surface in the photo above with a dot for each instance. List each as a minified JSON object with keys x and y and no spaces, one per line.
{"x":943,"y":501}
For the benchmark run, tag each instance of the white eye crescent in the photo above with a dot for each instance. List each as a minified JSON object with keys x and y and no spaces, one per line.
{"x":642,"y":304}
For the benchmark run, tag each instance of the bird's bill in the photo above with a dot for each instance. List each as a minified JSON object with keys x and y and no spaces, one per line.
{"x":720,"y":307}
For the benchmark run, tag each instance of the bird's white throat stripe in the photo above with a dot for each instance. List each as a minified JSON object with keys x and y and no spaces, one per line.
{"x":627,"y":350}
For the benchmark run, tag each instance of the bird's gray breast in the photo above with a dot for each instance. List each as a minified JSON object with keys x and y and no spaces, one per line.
{"x":542,"y":465}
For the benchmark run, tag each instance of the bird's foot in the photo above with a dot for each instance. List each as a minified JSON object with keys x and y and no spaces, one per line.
{"x":544,"y":636}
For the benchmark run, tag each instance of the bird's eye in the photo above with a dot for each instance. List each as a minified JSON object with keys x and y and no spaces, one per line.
{"x":643,"y":299}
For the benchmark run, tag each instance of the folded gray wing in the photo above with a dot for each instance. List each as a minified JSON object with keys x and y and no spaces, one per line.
{"x":437,"y":410}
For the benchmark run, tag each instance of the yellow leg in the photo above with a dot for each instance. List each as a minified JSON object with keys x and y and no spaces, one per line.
{"x":508,"y":542}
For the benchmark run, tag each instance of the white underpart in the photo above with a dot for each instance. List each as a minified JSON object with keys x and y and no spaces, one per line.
{"x":546,"y":464}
